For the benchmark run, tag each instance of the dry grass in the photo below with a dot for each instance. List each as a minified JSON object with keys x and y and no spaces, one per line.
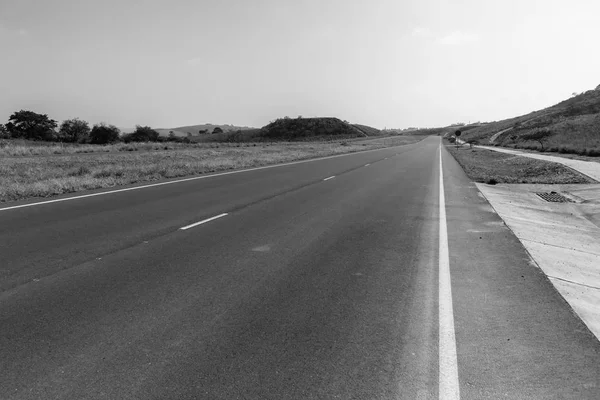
{"x":482,"y":165}
{"x":23,"y":148}
{"x":41,"y":176}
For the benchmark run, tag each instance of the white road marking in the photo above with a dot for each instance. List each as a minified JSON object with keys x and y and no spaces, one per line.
{"x":188,"y":179}
{"x":448,"y":374}
{"x":331,"y":177}
{"x":203,"y":222}
{"x":366,"y":165}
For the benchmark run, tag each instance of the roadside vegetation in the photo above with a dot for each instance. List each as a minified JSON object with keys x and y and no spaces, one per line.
{"x":44,"y":176}
{"x":488,"y":166}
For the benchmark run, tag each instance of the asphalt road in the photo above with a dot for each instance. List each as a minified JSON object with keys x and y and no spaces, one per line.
{"x":309,"y":288}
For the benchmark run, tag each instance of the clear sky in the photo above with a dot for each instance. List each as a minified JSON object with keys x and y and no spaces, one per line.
{"x":384,"y":63}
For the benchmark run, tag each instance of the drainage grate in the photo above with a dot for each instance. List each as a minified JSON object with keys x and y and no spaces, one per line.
{"x":554,"y":197}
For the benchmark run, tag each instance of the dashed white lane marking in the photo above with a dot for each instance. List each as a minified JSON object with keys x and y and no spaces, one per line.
{"x":448,"y":374}
{"x":203,"y":222}
{"x":188,"y":179}
{"x":331,"y":177}
{"x":366,"y":165}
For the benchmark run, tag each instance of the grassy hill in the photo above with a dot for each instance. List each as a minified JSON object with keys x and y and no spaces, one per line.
{"x":294,"y":129}
{"x":571,"y":126}
{"x":368,"y":130}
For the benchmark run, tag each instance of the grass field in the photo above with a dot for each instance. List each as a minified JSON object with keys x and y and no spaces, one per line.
{"x":16,"y":148}
{"x":488,"y":166}
{"x":50,"y":174}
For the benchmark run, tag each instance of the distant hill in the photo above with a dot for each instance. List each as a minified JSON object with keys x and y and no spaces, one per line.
{"x":200,"y":130}
{"x":429,"y":131}
{"x":208,"y":128}
{"x":573,"y":126}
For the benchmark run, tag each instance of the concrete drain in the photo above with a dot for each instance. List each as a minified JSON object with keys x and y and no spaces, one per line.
{"x":554,"y":197}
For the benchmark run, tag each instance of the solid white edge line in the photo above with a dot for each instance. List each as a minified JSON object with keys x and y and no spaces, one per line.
{"x":202,"y":222}
{"x":331,"y":177}
{"x":448,"y":367}
{"x":192,"y":179}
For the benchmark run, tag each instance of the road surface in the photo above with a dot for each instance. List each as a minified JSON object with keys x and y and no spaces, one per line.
{"x":353,"y":277}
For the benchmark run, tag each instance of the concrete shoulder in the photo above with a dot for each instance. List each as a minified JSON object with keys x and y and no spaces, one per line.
{"x":563,"y":238}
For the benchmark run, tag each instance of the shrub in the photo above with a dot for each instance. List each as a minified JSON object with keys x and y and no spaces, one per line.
{"x":82,"y":170}
{"x":74,"y":131}
{"x":102,"y":134}
{"x":4,"y":132}
{"x":472,"y":142}
{"x":142,"y":134}
{"x":593,"y":152}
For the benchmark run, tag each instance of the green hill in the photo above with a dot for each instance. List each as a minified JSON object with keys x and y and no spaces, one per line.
{"x":294,"y":129}
{"x":571,"y":126}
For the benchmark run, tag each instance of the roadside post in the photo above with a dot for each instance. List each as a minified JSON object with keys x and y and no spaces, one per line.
{"x":457,"y":134}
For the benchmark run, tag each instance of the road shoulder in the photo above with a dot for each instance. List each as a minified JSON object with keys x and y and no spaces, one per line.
{"x":516,"y":336}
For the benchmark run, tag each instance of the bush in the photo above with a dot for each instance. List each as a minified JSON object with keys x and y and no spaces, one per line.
{"x":102,"y":134}
{"x":142,"y":134}
{"x":4,"y":132}
{"x":592,"y":152}
{"x":74,"y":131}
{"x":472,"y":142}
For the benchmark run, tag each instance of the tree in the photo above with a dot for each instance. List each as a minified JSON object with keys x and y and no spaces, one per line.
{"x":102,"y":134}
{"x":217,"y":130}
{"x":29,"y":125}
{"x":143,"y":134}
{"x":74,"y":131}
{"x":541,"y":136}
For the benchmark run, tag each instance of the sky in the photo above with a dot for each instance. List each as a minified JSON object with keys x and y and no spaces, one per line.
{"x":383,"y":63}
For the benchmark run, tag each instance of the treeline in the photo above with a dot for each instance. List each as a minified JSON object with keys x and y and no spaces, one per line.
{"x":33,"y":126}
